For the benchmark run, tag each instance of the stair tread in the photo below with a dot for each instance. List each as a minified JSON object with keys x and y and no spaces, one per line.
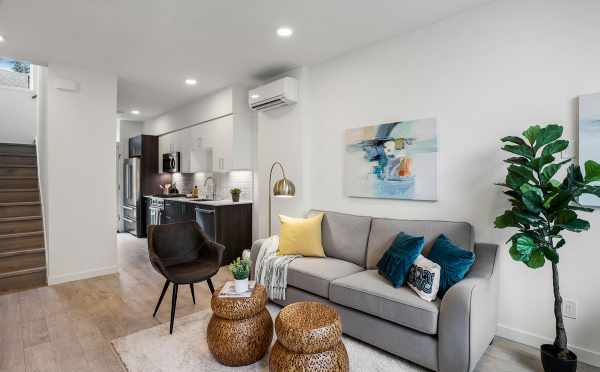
{"x":19,"y":190}
{"x":20,"y":218}
{"x":22,"y":272}
{"x":16,"y":204}
{"x":21,"y":235}
{"x":18,"y":155}
{"x":18,"y":177}
{"x":22,"y":252}
{"x":18,"y":166}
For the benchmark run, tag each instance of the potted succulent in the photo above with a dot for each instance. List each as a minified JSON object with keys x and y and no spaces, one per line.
{"x":542,"y":208}
{"x":240,"y":268}
{"x":235,"y":194}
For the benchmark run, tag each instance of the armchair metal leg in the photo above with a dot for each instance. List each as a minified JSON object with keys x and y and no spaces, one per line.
{"x":210,"y":285}
{"x":162,"y":294}
{"x":173,"y":306}
{"x":193,"y":294}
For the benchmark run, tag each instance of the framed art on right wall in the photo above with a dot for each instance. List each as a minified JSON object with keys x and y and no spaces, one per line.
{"x":589,"y":138}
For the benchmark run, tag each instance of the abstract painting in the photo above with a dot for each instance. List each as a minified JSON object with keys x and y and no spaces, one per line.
{"x":393,"y":160}
{"x":589,"y":137}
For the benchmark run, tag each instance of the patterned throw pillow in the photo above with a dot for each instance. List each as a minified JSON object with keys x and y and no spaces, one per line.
{"x":424,"y":278}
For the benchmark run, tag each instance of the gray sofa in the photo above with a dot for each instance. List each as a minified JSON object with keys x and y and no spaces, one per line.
{"x":448,"y":335}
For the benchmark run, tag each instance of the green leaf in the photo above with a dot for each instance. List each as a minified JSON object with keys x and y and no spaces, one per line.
{"x":549,"y":172}
{"x":539,"y":163}
{"x":560,"y":243}
{"x":592,"y":171}
{"x":522,"y":171}
{"x":531,"y":133}
{"x":554,"y":147}
{"x":533,"y":201}
{"x":506,"y":220}
{"x":576,"y":225}
{"x":517,"y":160}
{"x":580,"y":208}
{"x":527,"y":218}
{"x":515,"y":181}
{"x":555,"y":183}
{"x":565,"y":216}
{"x":520,"y":150}
{"x":549,"y":133}
{"x":536,"y":260}
{"x":550,"y":254}
{"x":513,"y":139}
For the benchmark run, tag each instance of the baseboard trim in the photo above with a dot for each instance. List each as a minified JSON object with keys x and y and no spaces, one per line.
{"x":584,"y":355}
{"x":58,"y":279}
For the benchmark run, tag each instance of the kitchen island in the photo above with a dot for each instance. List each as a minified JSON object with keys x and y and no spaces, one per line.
{"x":223,"y":221}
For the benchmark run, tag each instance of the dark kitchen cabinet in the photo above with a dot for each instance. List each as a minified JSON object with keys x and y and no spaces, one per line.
{"x":232,"y":223}
{"x":135,"y":146}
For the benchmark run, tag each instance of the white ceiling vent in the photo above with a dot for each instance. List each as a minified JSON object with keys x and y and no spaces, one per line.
{"x":275,"y":94}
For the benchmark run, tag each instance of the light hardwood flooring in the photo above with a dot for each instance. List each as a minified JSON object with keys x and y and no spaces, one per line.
{"x":69,"y":327}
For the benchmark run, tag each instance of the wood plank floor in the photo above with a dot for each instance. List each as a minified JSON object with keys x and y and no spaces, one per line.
{"x":69,"y":327}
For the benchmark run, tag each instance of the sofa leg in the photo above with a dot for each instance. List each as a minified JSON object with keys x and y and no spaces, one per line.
{"x":162,"y":294}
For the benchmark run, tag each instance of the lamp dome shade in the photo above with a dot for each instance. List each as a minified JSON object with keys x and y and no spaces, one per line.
{"x":283,"y":188}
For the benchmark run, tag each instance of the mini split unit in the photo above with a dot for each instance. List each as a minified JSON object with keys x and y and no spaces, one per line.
{"x":278,"y":93}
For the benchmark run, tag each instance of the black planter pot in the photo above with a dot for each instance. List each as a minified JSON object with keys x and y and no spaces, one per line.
{"x":552,"y":363}
{"x":235,"y":197}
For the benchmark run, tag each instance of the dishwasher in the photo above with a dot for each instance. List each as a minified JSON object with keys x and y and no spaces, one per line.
{"x":207,"y":219}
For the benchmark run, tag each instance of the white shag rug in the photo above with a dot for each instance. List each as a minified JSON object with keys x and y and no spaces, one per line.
{"x":186,"y":350}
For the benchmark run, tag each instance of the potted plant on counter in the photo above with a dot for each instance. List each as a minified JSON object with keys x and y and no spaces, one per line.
{"x":241,"y":271}
{"x":542,"y":208}
{"x":235,"y":194}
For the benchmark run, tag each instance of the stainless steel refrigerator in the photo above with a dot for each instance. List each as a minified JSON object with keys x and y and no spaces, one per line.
{"x":132,"y":198}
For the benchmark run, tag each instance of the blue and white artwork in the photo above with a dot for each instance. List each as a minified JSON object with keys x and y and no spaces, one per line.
{"x":393,"y":160}
{"x":589,"y":137}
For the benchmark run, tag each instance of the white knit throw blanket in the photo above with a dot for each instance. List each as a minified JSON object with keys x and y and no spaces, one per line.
{"x":271,"y":269}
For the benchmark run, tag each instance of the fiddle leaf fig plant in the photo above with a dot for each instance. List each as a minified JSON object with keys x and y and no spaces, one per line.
{"x":543,"y":206}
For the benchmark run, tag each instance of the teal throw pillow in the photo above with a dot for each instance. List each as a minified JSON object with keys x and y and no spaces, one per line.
{"x":396,"y":262}
{"x":454,"y":261}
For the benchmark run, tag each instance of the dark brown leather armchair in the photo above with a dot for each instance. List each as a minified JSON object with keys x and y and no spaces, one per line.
{"x":183,"y":254}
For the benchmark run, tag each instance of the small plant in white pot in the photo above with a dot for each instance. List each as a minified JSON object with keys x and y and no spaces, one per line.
{"x":241,"y":271}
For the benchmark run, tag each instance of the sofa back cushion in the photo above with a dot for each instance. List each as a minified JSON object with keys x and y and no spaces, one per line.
{"x":384,"y":231}
{"x":345,"y":236}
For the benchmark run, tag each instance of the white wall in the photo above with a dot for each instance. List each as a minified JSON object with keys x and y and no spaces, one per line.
{"x":282,"y":135}
{"x":18,"y":113}
{"x":484,"y":74}
{"x":81,"y":175}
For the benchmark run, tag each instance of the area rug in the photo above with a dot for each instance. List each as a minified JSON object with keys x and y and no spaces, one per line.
{"x":155,"y":350}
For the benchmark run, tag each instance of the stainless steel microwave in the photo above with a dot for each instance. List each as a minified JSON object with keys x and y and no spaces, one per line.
{"x":171,"y":162}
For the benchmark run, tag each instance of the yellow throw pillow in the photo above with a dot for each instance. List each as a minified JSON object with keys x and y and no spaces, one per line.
{"x":301,"y":236}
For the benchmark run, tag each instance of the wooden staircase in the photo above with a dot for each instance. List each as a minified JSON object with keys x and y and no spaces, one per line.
{"x":22,"y":252}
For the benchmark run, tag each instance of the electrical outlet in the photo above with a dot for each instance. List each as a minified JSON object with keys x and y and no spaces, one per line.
{"x":569,"y":308}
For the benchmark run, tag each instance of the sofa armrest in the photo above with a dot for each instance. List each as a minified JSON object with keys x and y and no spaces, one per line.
{"x":468,"y":314}
{"x":254,"y":255}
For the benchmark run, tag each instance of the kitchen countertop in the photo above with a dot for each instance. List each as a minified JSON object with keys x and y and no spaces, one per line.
{"x":214,"y":203}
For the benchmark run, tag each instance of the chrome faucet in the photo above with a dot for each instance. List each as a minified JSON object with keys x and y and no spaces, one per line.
{"x":214,"y":186}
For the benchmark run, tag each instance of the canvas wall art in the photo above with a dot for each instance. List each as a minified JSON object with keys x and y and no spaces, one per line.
{"x":589,"y":137}
{"x":393,"y":160}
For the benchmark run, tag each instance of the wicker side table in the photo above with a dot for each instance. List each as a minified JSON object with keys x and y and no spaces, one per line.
{"x":308,"y":339}
{"x":241,"y":329}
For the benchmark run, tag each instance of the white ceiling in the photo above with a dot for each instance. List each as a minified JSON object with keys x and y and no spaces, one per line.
{"x":153,"y":45}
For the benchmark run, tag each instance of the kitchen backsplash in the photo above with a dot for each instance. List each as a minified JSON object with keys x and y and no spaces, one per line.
{"x":225,"y":182}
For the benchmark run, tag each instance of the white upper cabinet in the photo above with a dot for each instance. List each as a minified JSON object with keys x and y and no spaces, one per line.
{"x":219,"y":145}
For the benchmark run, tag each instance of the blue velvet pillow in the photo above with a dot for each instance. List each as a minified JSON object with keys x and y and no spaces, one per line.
{"x":396,"y":262}
{"x":454,"y":261}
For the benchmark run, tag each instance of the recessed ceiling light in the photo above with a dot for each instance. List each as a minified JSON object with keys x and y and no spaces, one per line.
{"x":255,"y":96}
{"x":135,"y":112}
{"x":191,"y":81}
{"x":285,"y":31}
{"x":2,"y":39}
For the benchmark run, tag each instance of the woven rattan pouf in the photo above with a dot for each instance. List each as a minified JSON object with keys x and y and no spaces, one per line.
{"x":241,"y":329}
{"x":308,"y":339}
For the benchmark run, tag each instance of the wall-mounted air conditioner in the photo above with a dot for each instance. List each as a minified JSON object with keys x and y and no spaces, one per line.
{"x":275,"y":94}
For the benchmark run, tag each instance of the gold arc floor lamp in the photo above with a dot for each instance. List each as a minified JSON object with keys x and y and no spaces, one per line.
{"x":283,"y":188}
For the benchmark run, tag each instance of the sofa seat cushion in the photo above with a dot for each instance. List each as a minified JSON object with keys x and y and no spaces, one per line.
{"x":314,"y":274}
{"x":370,"y":293}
